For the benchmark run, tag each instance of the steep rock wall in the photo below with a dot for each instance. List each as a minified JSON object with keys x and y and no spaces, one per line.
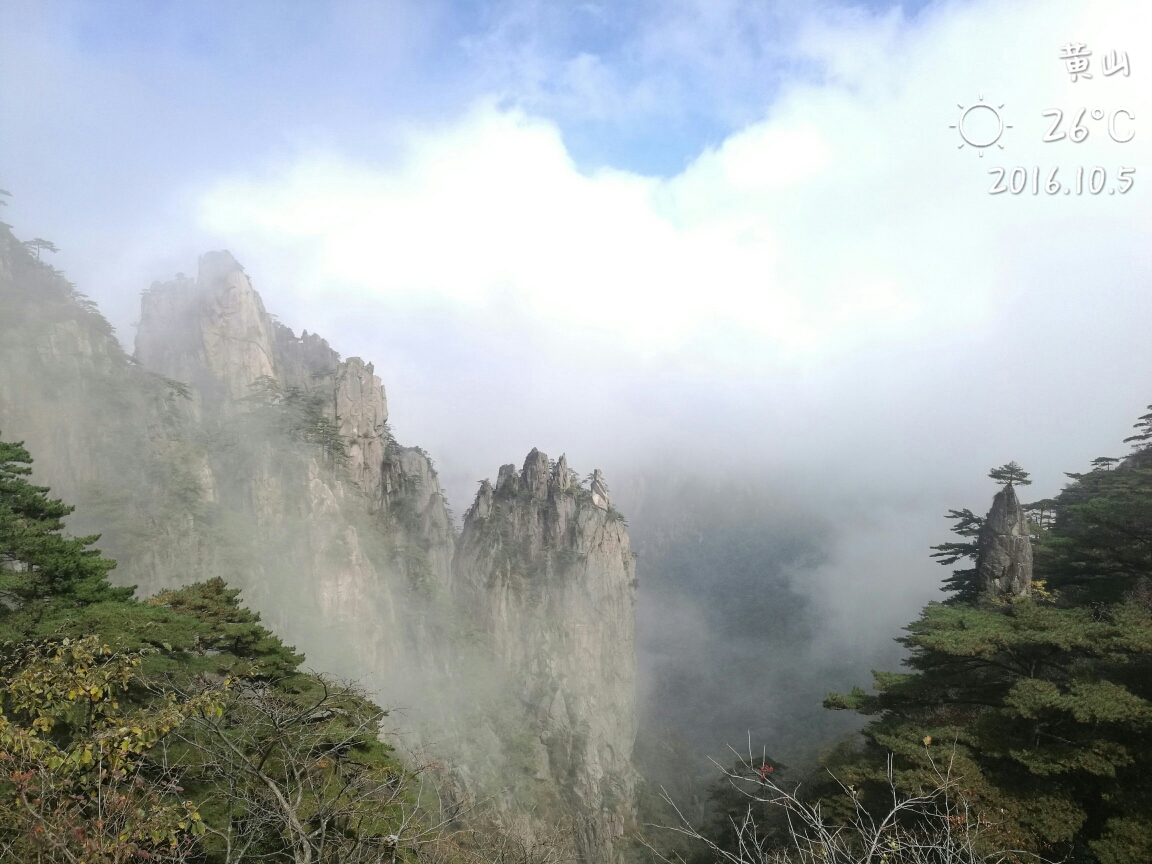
{"x":258,"y":384}
{"x":544,"y":568}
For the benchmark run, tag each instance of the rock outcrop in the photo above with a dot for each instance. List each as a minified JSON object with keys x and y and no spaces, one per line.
{"x":211,"y":332}
{"x":214,"y":334}
{"x":322,"y":563}
{"x":544,"y":568}
{"x":1004,"y":557}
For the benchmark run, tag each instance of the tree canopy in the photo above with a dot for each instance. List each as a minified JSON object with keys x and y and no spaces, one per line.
{"x":1010,"y":473}
{"x":43,"y":574}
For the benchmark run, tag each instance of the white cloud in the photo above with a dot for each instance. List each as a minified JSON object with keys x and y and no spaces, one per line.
{"x":846,"y":216}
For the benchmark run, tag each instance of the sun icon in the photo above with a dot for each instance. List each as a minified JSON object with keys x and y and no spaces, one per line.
{"x":984,"y":126}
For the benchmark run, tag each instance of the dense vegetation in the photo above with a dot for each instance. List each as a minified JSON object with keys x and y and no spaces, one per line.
{"x":1040,"y":706}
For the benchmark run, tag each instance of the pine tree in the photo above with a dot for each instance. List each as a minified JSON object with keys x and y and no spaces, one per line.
{"x":122,"y":721}
{"x":1100,"y":547}
{"x":1144,"y":424}
{"x":41,"y":245}
{"x":80,"y":785}
{"x":967,"y":524}
{"x":43,"y":573}
{"x":229,"y":633}
{"x":1041,"y":514}
{"x":1011,"y":473}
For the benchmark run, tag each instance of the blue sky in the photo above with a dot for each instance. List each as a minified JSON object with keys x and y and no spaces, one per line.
{"x":150,"y":88}
{"x":732,"y":235}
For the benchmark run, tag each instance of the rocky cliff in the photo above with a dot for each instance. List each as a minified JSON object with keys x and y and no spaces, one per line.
{"x":213,"y":333}
{"x":545,"y":570}
{"x":1004,"y":557}
{"x":228,"y":446}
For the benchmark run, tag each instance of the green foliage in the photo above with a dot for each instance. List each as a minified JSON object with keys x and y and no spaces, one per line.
{"x":98,"y":741}
{"x":1042,"y":705}
{"x":294,"y":773}
{"x":1010,"y":474}
{"x":1100,"y":545}
{"x":43,"y":574}
{"x":962,"y":581}
{"x":229,"y":633}
{"x":78,"y":783}
{"x":1123,"y":841}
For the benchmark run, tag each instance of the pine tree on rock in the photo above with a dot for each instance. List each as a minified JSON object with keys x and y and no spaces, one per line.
{"x":1000,"y":544}
{"x":1010,"y":474}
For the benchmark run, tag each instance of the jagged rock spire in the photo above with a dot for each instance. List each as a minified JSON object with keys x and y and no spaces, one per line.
{"x":553,"y":590}
{"x":508,"y":480}
{"x":1004,"y":557}
{"x":482,"y":507}
{"x":542,"y":479}
{"x":536,"y":474}
{"x":561,"y":474}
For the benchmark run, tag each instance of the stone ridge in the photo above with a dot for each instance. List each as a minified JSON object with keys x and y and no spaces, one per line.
{"x":539,"y":478}
{"x":214,"y":334}
{"x":304,"y":361}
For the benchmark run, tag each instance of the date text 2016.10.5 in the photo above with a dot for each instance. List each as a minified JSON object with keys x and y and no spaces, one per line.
{"x":1092,"y":181}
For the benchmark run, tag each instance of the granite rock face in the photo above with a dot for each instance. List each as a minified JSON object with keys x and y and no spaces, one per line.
{"x":548,"y":576}
{"x":214,"y":334}
{"x":211,"y":332}
{"x":361,"y":415}
{"x":1004,"y":558}
{"x":231,"y":447}
{"x":318,"y":546}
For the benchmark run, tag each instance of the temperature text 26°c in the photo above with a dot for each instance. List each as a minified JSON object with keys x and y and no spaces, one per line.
{"x":1119,"y":124}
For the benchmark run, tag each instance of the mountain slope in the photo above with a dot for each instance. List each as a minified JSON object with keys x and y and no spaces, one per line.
{"x":229,"y":447}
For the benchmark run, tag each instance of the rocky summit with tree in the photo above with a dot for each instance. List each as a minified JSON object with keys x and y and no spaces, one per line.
{"x":1031,"y":685}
